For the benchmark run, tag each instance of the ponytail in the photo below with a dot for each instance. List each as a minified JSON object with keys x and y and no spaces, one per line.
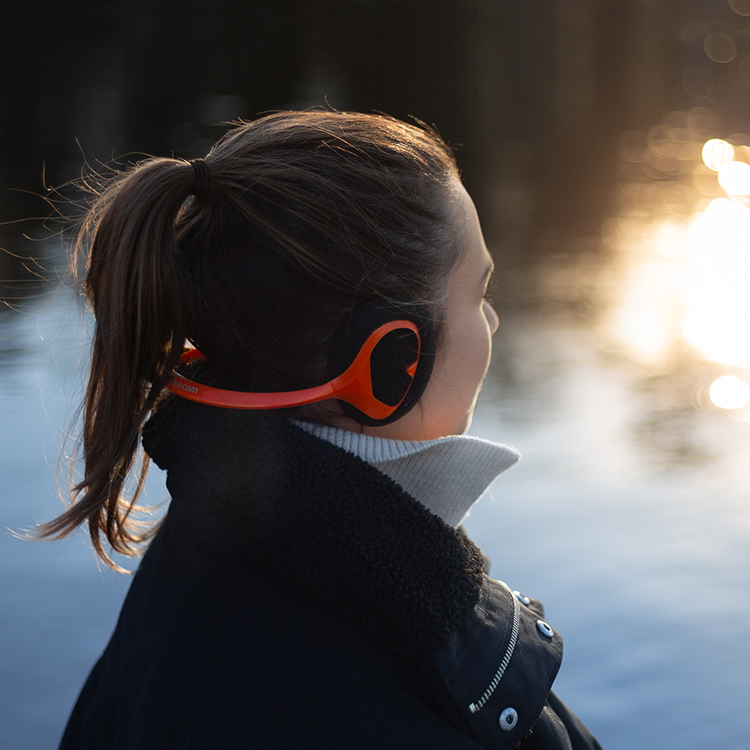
{"x":134,"y":284}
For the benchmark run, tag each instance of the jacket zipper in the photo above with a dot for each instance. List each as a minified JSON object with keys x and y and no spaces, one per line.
{"x":474,"y":707}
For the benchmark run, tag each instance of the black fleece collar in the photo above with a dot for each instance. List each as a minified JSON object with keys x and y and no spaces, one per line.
{"x":324,"y":520}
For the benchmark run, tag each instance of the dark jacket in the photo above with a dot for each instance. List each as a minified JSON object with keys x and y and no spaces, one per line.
{"x":294,"y":596}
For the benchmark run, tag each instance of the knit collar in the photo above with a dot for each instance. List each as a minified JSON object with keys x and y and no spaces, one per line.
{"x":320,"y":518}
{"x":448,"y":475}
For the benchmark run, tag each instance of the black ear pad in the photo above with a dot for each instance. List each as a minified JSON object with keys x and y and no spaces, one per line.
{"x":390,"y":358}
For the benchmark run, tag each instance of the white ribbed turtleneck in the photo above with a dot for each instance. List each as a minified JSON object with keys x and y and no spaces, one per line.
{"x":447,"y":475}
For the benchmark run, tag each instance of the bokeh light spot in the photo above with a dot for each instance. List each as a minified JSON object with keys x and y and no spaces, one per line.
{"x":734,"y":177}
{"x":716,"y":153}
{"x":719,"y":47}
{"x":740,"y":7}
{"x":729,"y":392}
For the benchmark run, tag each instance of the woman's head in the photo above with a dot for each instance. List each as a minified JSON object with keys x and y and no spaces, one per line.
{"x":255,"y":256}
{"x":305,"y":216}
{"x":468,"y":323}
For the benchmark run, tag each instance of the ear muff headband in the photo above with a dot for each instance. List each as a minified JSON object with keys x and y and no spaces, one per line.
{"x":354,"y":386}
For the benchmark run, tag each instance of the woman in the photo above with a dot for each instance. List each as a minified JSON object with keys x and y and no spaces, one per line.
{"x":308,"y":586}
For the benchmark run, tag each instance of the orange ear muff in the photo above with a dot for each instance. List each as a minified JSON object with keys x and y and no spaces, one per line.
{"x":355,"y":386}
{"x":390,"y":358}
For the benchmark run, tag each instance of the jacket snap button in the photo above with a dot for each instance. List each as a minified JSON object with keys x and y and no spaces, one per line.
{"x":521,"y":598}
{"x":544,"y":629}
{"x":508,"y":719}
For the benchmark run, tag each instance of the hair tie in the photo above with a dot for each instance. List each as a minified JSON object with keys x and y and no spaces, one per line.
{"x":202,"y":177}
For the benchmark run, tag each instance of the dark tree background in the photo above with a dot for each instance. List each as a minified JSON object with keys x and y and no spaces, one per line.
{"x":536,"y":92}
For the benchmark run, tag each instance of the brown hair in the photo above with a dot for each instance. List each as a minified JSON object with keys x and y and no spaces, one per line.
{"x":255,"y":258}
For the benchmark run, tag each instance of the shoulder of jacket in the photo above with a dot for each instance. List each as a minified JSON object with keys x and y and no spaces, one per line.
{"x":499,"y":666}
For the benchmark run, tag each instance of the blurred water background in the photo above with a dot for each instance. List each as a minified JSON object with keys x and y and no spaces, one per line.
{"x":607,"y":146}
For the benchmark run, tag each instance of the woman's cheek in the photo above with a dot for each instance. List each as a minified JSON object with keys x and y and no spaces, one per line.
{"x":473,"y":359}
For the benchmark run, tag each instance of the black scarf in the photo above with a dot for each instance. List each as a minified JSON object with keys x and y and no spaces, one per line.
{"x":324,"y":520}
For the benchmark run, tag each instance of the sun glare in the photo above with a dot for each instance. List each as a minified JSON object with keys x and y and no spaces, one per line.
{"x":717,"y":284}
{"x":646,"y":316}
{"x":729,"y":392}
{"x":734,"y":177}
{"x":682,"y":274}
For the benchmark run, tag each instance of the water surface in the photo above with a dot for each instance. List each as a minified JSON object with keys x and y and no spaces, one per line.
{"x":633,"y":534}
